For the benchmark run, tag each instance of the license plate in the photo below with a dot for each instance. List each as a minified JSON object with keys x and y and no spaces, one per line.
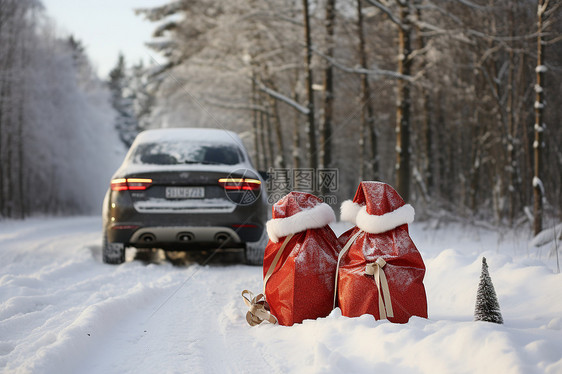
{"x":185,"y":192}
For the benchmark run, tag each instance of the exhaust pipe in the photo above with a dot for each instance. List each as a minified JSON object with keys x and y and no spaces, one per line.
{"x":222,"y":237}
{"x":185,"y":237}
{"x":147,"y":238}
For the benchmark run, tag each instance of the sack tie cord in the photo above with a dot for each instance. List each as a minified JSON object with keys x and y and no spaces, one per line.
{"x":341,"y":254}
{"x":376,"y":270}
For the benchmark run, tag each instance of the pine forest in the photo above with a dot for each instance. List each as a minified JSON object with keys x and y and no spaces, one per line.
{"x":454,"y":103}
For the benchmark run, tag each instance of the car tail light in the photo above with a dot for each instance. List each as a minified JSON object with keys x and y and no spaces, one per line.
{"x":139,"y":184}
{"x":119,"y":184}
{"x":131,"y":184}
{"x":240,"y":184}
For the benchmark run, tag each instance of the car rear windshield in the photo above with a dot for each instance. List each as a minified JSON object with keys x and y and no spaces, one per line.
{"x":182,"y":152}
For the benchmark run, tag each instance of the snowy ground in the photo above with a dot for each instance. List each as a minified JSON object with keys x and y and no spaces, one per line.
{"x":63,"y":311}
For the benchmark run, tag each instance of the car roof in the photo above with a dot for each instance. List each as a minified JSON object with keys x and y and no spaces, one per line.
{"x":188,"y":133}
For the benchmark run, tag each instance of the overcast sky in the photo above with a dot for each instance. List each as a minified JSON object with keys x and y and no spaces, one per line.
{"x":106,"y":27}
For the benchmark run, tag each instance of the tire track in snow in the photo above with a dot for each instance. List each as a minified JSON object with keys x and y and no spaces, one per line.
{"x":198,"y":330}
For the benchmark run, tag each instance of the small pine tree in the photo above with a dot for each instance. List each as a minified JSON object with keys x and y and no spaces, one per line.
{"x":487,"y":306}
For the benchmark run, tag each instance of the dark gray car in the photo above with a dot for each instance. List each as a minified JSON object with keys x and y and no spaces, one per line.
{"x":185,"y":189}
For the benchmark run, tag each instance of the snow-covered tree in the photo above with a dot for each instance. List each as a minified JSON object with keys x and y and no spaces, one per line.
{"x":487,"y":305}
{"x":122,"y":101}
{"x":141,"y":91}
{"x":451,"y":87}
{"x":56,"y":151}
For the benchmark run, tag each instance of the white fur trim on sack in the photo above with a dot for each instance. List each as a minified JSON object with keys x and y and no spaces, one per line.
{"x":388,"y":221}
{"x":313,"y":218}
{"x":349,"y":210}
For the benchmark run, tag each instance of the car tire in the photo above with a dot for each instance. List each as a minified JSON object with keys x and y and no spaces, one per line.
{"x":255,"y":250}
{"x":112,"y":253}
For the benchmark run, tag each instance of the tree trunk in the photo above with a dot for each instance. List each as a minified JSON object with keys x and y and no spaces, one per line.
{"x":312,"y":152}
{"x":20,"y":133}
{"x":427,"y":131}
{"x":269,"y":136}
{"x":3,"y":99}
{"x":428,"y":138}
{"x":403,"y":105}
{"x":442,"y":156}
{"x":367,"y":117}
{"x":520,"y":117}
{"x":511,"y":167}
{"x":362,"y":97}
{"x":13,"y":85}
{"x":12,"y":14}
{"x":263,"y":135}
{"x":326,"y":136}
{"x":280,"y":160}
{"x":255,"y":124}
{"x":3,"y":16}
{"x":538,"y":191}
{"x":296,"y":151}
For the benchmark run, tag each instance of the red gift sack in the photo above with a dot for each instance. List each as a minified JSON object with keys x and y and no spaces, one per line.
{"x":380,"y":269}
{"x":300,"y":259}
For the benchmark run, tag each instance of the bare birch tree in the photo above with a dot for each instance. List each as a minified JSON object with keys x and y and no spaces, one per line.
{"x":538,"y":186}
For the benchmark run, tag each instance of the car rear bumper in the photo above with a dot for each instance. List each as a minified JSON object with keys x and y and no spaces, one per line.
{"x":184,"y":237}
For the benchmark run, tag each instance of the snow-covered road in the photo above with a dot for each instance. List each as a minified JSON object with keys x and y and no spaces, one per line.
{"x":63,"y":311}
